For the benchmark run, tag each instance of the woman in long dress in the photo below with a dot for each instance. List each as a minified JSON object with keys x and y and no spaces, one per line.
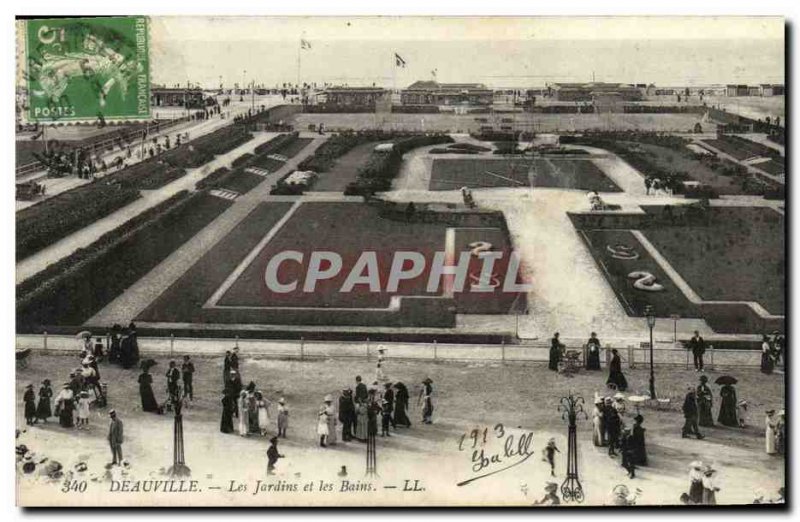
{"x":615,"y":375}
{"x":593,"y":353}
{"x":638,"y":446}
{"x":696,"y":476}
{"x":29,"y":398}
{"x":427,"y":401}
{"x":263,"y":413}
{"x":241,"y":405}
{"x":771,"y":432}
{"x":43,"y":408}
{"x":705,"y":400}
{"x":322,"y":425}
{"x":149,"y":402}
{"x":228,"y":406}
{"x":780,"y":433}
{"x":401,"y":405}
{"x":252,"y":413}
{"x":361,"y":421}
{"x":727,"y":410}
{"x":65,"y":406}
{"x":598,"y":428}
{"x":767,"y":361}
{"x":332,"y":420}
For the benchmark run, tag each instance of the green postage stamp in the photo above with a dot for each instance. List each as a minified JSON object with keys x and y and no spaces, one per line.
{"x":85,"y":69}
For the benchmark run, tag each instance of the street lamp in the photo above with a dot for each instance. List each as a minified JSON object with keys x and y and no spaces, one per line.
{"x":651,"y":322}
{"x":570,"y":408}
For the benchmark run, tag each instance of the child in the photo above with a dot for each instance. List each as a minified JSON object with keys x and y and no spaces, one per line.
{"x":741,"y":410}
{"x":386,"y":417}
{"x":549,"y":455}
{"x":83,"y":409}
{"x":272,"y":455}
{"x":283,"y":417}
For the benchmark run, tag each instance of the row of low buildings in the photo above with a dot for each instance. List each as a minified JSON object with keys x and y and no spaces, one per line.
{"x":764,"y":89}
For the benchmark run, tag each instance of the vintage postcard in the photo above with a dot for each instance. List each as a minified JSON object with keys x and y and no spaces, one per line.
{"x":400,"y":261}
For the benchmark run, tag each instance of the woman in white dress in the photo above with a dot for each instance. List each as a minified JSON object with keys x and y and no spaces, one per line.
{"x":332,"y":419}
{"x":263,"y":413}
{"x":771,"y":432}
{"x":242,"y":405}
{"x":322,"y":425}
{"x":598,"y":431}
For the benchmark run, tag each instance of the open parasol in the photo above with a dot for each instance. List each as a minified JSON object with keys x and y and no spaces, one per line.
{"x":147,"y":364}
{"x":85,"y":334}
{"x":726,"y":379}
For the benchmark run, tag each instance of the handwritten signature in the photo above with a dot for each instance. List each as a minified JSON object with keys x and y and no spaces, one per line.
{"x":514,"y":450}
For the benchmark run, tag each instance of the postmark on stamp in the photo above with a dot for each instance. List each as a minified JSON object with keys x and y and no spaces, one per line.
{"x":81,"y":69}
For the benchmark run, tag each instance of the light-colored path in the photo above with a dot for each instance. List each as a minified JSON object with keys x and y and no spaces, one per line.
{"x":136,"y":298}
{"x":87,"y":235}
{"x":195,"y":128}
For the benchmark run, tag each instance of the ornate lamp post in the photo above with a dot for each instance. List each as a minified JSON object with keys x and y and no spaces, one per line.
{"x":570,"y":408}
{"x":179,"y":467}
{"x":372,"y":431}
{"x":651,"y":322}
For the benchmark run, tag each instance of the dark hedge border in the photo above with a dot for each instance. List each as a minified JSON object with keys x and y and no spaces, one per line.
{"x":88,"y":280}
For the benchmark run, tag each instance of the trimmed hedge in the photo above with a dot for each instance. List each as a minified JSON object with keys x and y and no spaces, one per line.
{"x":83,"y":283}
{"x":42,"y":225}
{"x":275,"y":144}
{"x":213,"y":179}
{"x":242,"y":160}
{"x":382,"y":167}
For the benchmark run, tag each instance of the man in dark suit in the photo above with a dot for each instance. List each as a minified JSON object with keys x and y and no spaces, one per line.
{"x":690,"y":415}
{"x":361,"y":390}
{"x":173,"y":376}
{"x":115,"y":437}
{"x":698,"y":347}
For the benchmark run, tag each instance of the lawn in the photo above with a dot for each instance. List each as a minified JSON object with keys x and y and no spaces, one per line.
{"x":242,"y":182}
{"x":452,"y":174}
{"x":347,"y":229}
{"x":466,"y":396}
{"x":345,"y":170}
{"x":774,"y":167}
{"x":665,"y":303}
{"x":739,"y":255}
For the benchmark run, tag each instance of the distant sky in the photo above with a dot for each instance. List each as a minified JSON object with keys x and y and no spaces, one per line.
{"x":513,"y":52}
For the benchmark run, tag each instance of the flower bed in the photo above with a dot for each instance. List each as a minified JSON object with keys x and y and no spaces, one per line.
{"x":275,"y":144}
{"x":80,"y":285}
{"x":44,"y":224}
{"x":213,"y":179}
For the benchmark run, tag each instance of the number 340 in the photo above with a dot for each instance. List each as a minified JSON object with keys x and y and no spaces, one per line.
{"x":74,"y":486}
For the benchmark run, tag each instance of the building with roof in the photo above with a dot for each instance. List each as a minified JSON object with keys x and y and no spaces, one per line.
{"x":435,"y":93}
{"x":771,"y":89}
{"x":176,"y":97}
{"x":354,"y":96}
{"x":591,"y":90}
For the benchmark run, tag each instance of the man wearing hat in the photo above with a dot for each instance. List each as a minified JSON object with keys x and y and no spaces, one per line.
{"x":426,"y":396}
{"x":696,"y":482}
{"x":550,"y":496}
{"x":347,"y":414}
{"x":283,"y":417}
{"x":690,"y":415}
{"x":388,"y":396}
{"x":613,"y":425}
{"x":173,"y":377}
{"x":361,"y":390}
{"x":698,"y":347}
{"x":709,"y":489}
{"x":115,"y":437}
{"x":272,"y":455}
